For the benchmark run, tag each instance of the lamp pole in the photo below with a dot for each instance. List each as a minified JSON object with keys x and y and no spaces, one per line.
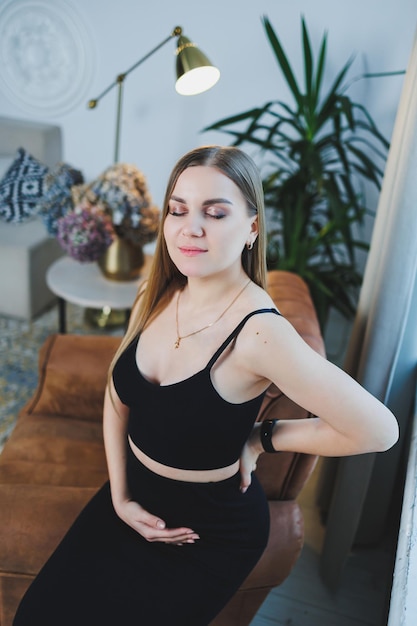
{"x":119,"y":83}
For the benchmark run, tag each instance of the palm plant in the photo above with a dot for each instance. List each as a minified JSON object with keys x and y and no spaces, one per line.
{"x":317,"y":153}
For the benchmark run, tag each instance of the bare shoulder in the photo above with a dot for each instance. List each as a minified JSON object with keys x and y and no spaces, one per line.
{"x":265,"y":325}
{"x":271,"y":346}
{"x":268,"y":327}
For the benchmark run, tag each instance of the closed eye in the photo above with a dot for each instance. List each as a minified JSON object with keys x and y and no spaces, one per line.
{"x":216,"y":216}
{"x":213,"y":213}
{"x":176,"y":213}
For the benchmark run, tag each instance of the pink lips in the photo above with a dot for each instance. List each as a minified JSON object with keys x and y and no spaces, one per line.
{"x":191,"y":251}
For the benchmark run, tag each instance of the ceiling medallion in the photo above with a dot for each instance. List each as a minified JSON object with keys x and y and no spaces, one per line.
{"x":46,"y":56}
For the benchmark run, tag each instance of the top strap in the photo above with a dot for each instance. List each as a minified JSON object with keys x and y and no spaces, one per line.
{"x":236,"y":332}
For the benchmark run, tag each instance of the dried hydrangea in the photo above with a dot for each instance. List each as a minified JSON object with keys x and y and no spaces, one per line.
{"x":85,"y":233}
{"x":121,"y":191}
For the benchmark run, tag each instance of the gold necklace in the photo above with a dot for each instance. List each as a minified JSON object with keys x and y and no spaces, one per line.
{"x":180,"y":337}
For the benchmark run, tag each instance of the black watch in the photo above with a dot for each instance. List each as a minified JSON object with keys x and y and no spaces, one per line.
{"x":266,"y":435}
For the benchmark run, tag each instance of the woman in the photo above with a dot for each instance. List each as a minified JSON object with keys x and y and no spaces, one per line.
{"x":183,"y":520}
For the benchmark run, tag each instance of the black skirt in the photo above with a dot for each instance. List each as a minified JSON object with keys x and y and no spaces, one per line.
{"x":105,"y":573}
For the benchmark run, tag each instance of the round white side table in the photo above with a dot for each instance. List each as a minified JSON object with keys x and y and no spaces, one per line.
{"x":84,"y":284}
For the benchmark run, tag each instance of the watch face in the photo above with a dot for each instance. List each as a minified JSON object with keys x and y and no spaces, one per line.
{"x":46,"y":56}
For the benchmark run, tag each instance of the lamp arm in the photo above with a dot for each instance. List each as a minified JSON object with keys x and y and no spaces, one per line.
{"x":119,"y":83}
{"x":175,"y":33}
{"x":120,"y":78}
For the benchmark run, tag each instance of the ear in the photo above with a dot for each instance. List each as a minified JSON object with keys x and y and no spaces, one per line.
{"x":254,"y":228}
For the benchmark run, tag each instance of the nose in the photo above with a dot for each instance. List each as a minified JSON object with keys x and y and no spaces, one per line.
{"x":192,"y":226}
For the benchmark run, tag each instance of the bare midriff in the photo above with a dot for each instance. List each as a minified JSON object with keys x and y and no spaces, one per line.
{"x":192,"y":476}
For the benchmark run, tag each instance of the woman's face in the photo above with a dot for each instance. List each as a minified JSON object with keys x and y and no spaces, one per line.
{"x":208,"y":224}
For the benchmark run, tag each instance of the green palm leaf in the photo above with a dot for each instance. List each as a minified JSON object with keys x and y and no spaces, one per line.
{"x":317,"y":152}
{"x":283,"y":61}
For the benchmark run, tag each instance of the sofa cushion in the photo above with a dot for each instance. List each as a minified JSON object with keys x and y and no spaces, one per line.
{"x":54,"y":451}
{"x":73,"y":376}
{"x":35,"y":519}
{"x":21,"y":188}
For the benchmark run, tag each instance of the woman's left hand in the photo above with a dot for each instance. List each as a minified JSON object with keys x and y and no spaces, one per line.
{"x":248,"y":459}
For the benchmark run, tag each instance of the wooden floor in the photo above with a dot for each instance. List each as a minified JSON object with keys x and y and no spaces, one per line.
{"x":303,"y":599}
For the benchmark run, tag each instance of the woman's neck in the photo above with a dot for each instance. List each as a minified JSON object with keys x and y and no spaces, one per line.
{"x":202,"y":292}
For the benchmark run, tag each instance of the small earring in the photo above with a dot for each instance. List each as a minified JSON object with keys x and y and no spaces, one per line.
{"x":249,"y":245}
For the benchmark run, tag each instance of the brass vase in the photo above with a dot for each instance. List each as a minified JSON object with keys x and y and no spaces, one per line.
{"x":123,"y":260}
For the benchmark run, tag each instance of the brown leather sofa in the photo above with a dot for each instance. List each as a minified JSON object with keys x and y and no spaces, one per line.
{"x":54,"y":462}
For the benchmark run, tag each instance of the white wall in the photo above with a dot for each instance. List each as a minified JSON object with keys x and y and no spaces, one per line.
{"x":159,"y":125}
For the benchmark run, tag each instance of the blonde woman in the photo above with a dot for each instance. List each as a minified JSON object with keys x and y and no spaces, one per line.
{"x":183,"y":519}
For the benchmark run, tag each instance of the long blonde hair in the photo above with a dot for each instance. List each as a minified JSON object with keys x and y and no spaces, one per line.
{"x":164,"y":277}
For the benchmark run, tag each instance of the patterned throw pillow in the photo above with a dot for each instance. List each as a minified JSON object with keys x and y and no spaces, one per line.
{"x":21,"y":188}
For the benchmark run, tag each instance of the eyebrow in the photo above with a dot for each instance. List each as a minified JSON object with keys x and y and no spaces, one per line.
{"x":206,"y":202}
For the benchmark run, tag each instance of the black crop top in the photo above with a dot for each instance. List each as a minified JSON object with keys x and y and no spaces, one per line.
{"x":186,"y":425}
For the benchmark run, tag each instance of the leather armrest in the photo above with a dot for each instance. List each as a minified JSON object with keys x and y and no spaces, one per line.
{"x":72,"y":376}
{"x":292,"y":298}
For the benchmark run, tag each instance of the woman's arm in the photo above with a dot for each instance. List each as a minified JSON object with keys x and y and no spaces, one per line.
{"x":349,"y":419}
{"x":151,"y":527}
{"x":115,"y":418}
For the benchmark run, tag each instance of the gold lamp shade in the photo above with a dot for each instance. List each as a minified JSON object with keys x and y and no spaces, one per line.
{"x":195,"y":73}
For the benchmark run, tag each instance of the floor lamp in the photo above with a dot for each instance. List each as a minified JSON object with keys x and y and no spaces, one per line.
{"x":195,"y":74}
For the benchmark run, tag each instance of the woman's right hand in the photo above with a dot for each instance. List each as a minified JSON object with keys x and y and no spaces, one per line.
{"x":152,"y":528}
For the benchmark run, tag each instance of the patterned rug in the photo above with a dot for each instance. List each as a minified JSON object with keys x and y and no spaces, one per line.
{"x":19,"y":346}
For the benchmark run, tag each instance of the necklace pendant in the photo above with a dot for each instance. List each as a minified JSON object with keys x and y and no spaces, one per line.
{"x":177,"y":343}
